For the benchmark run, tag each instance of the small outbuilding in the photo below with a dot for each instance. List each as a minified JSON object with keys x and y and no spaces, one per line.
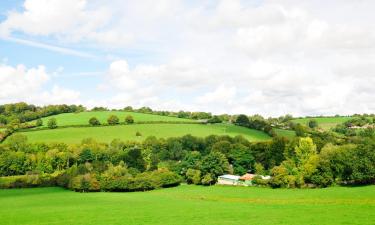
{"x":228,"y":179}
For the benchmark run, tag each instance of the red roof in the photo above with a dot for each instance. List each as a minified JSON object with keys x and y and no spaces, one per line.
{"x":247,"y":176}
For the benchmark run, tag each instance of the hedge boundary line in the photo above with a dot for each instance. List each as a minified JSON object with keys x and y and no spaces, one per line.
{"x":107,"y":125}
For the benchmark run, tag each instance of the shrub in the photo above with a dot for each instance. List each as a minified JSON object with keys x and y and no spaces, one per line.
{"x":86,"y":182}
{"x":138,"y":134}
{"x":39,"y":122}
{"x":93,"y":121}
{"x":193,"y":176}
{"x":129,"y":119}
{"x":28,"y":180}
{"x":214,"y":119}
{"x":52,"y":123}
{"x":207,"y":179}
{"x":112,"y":120}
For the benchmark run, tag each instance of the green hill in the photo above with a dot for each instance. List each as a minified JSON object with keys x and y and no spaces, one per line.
{"x":324,"y":122}
{"x":82,"y":118}
{"x":128,"y":132}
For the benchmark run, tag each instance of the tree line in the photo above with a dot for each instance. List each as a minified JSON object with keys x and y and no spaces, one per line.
{"x":314,"y":161}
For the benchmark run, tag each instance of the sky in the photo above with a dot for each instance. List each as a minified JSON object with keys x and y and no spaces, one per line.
{"x":268,"y":57}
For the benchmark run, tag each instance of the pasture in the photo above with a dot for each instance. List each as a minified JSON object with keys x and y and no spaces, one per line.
{"x":128,"y":132}
{"x":324,"y":122}
{"x":188,"y":205}
{"x":82,"y":118}
{"x":285,"y":133}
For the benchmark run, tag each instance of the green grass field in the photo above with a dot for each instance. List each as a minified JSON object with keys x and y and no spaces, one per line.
{"x":285,"y":133}
{"x":190,"y":205}
{"x":324,"y":122}
{"x":127,"y":132}
{"x":82,"y":118}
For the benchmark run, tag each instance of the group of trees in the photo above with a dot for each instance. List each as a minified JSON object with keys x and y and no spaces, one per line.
{"x":256,"y":122}
{"x":317,"y":160}
{"x":112,"y":120}
{"x":22,"y":112}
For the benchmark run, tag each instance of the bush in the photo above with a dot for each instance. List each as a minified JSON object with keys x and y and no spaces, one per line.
{"x":214,"y":119}
{"x":39,"y":122}
{"x":29,"y":180}
{"x":141,"y":182}
{"x":193,"y":176}
{"x":93,"y":121}
{"x":129,"y":120}
{"x":113,"y":120}
{"x":52,"y":123}
{"x":84,"y":183}
{"x":138,"y":134}
{"x":208,"y":180}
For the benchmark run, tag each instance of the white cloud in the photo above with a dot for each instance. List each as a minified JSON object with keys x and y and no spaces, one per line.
{"x":269,"y":57}
{"x":22,"y":84}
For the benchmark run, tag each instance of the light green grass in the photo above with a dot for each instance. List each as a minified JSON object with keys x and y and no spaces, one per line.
{"x":82,"y":118}
{"x":190,"y":205}
{"x":127,"y":132}
{"x":324,"y":122}
{"x":285,"y":133}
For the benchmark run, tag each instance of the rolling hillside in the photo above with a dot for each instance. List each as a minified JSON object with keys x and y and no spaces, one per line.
{"x":324,"y":122}
{"x":67,"y":119}
{"x":128,"y":132}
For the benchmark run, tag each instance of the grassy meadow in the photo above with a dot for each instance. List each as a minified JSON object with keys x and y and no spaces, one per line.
{"x":188,"y":205}
{"x":324,"y":122}
{"x":128,"y":132}
{"x":285,"y":133}
{"x":82,"y":118}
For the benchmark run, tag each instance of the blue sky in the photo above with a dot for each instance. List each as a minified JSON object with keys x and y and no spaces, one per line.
{"x":268,"y":57}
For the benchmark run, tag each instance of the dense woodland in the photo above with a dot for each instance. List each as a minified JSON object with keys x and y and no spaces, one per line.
{"x":314,"y":158}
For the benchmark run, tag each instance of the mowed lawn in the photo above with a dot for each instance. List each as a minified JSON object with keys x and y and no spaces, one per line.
{"x":324,"y":122}
{"x":128,"y":132}
{"x":190,"y":205}
{"x":82,"y":118}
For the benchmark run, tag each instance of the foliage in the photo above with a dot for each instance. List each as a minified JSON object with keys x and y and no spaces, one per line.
{"x":93,"y":121}
{"x":129,"y":119}
{"x":52,"y":123}
{"x":112,"y":120}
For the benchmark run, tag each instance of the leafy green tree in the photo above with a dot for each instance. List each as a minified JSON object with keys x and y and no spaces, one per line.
{"x":133,"y":158}
{"x":208,"y":179}
{"x":259,"y":169}
{"x":215,"y":164}
{"x":300,"y":129}
{"x":39,"y":122}
{"x":17,"y":142}
{"x":313,"y":123}
{"x":93,"y":121}
{"x":193,"y":176}
{"x":129,"y":119}
{"x":113,"y":120}
{"x":241,"y":158}
{"x":214,"y":119}
{"x":52,"y":123}
{"x":242,"y":120}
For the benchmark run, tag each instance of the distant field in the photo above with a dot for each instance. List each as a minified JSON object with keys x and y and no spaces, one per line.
{"x":285,"y":133}
{"x":83,"y":117}
{"x":190,"y":205}
{"x":324,"y":122}
{"x":127,"y":132}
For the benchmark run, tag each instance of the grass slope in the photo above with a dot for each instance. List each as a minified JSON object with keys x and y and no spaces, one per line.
{"x":127,"y":132}
{"x":285,"y":133}
{"x":324,"y":122}
{"x":82,"y":118}
{"x":188,"y":205}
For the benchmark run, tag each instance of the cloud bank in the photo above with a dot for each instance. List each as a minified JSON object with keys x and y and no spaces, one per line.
{"x":267,"y":57}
